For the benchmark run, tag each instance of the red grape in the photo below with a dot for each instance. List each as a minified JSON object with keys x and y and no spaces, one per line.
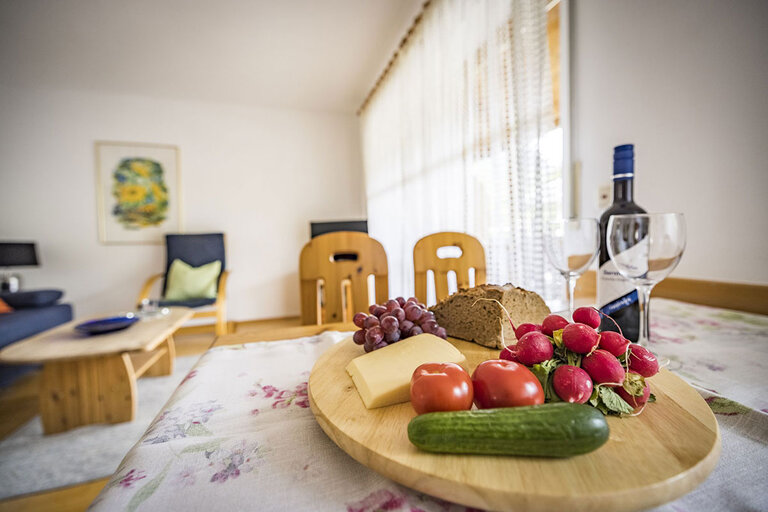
{"x":391,"y":304}
{"x":429,"y":326}
{"x":413,"y":313}
{"x":389,"y":324}
{"x":426,"y":316}
{"x":400,"y":301}
{"x":392,"y":337}
{"x":399,"y":314}
{"x":415,"y":331}
{"x":406,"y":325}
{"x":371,"y":321}
{"x":359,"y":318}
{"x":359,"y":337}
{"x":441,"y":333}
{"x":374,"y":335}
{"x":372,"y":307}
{"x":379,"y":310}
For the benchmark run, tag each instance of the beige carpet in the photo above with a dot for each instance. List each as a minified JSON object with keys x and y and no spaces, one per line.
{"x":31,"y":462}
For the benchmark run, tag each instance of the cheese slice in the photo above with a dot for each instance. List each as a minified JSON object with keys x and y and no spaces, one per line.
{"x":383,"y":377}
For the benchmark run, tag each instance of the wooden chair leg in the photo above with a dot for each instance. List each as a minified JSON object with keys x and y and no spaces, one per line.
{"x":84,"y":391}
{"x":221,"y":320}
{"x":164,"y":365}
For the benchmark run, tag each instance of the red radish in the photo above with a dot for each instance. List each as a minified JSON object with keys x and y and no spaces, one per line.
{"x":509,"y":353}
{"x":635,"y":401}
{"x":613,"y":342}
{"x":580,"y":338}
{"x":572,"y":384}
{"x":587,"y":316}
{"x":553,"y":323}
{"x":642,"y":361}
{"x":523,"y":329}
{"x":603,"y":367}
{"x":533,"y":348}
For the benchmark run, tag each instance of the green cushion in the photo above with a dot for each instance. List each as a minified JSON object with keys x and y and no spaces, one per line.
{"x":186,"y":282}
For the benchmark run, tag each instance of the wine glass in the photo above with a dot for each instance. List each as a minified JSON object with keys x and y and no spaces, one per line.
{"x":645,"y":248}
{"x":571,"y":246}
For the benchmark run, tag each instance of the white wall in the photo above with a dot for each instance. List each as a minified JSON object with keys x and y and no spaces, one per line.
{"x":259,"y":175}
{"x":686,"y":81}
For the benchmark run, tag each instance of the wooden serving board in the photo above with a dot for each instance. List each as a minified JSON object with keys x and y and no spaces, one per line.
{"x":650,"y":459}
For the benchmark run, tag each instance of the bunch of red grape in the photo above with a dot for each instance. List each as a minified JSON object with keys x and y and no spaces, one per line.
{"x":394,"y":321}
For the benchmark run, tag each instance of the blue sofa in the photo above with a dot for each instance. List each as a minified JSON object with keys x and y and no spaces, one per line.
{"x":33,"y":312}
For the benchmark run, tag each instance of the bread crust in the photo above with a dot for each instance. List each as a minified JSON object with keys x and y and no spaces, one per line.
{"x":466,"y":316}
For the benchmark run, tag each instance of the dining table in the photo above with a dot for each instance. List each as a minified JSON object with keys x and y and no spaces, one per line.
{"x":238,"y":432}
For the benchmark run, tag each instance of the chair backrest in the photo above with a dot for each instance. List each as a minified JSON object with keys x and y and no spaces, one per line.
{"x":425,"y":258}
{"x":194,"y":250}
{"x":334,"y":270}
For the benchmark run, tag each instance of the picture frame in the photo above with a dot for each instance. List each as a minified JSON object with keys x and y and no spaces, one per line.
{"x":138,"y":192}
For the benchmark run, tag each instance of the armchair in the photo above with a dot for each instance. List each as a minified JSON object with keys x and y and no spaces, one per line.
{"x":195,"y":250}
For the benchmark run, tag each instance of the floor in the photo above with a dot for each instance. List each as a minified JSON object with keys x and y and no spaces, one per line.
{"x":18,"y":404}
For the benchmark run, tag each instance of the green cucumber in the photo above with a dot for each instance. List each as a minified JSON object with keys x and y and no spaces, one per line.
{"x":552,"y":430}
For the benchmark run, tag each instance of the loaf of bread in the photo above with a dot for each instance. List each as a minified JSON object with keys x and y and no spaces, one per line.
{"x":467,"y":316}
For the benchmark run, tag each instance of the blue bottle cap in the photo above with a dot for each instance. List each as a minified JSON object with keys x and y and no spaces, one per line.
{"x":624,"y":162}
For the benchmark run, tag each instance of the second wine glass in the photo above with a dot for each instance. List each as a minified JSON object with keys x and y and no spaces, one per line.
{"x":646,"y":248}
{"x":571,"y":246}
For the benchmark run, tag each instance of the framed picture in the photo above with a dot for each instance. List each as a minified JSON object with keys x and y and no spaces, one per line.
{"x":138,"y":192}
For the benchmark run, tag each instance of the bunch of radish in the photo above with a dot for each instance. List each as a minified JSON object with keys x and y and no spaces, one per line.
{"x":577,"y":363}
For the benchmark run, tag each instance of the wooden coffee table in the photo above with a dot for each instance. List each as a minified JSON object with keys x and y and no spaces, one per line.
{"x":92,"y":379}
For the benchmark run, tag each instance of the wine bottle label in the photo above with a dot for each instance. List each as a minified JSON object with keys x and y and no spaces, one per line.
{"x":614,"y":291}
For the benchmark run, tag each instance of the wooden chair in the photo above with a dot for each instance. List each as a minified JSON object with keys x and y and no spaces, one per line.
{"x":334,"y":270}
{"x":195,"y":250}
{"x":425,"y":258}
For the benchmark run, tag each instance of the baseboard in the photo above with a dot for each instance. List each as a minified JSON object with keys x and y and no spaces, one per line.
{"x":245,"y":324}
{"x":752,"y":298}
{"x":233,"y":326}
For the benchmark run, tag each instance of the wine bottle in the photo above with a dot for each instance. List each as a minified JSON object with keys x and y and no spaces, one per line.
{"x":616,"y":296}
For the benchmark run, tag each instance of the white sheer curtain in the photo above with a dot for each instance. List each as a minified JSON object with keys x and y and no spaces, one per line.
{"x":460,"y":136}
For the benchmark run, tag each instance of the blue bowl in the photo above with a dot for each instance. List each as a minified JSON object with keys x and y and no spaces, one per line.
{"x":105,"y":325}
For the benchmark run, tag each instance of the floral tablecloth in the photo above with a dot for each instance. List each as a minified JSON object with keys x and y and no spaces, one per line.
{"x":238,"y":434}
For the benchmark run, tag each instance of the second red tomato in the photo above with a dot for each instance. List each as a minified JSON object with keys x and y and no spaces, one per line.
{"x":440,"y":387}
{"x":501,"y":383}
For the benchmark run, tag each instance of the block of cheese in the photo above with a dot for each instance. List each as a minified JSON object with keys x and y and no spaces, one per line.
{"x":383,"y":377}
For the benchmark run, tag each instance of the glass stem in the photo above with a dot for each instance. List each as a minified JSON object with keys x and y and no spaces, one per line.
{"x":644,"y":301}
{"x":571,"y":290}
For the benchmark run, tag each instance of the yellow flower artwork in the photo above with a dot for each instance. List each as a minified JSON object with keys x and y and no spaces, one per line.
{"x":141,"y":193}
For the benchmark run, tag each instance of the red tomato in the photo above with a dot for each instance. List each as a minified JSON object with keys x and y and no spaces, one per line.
{"x":502,"y":383}
{"x":440,"y":387}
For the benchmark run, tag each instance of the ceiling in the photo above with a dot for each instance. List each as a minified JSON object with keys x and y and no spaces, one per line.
{"x":304,"y":54}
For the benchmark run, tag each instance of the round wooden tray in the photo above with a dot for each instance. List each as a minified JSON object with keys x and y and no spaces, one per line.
{"x":650,"y":459}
